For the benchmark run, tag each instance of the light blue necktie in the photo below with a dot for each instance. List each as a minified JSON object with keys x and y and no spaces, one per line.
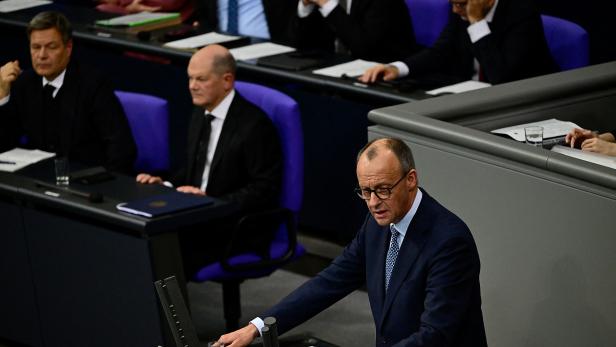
{"x":392,"y":254}
{"x":232,"y":17}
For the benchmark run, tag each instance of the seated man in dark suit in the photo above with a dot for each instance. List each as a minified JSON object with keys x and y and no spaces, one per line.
{"x":418,"y":261}
{"x":62,"y":106}
{"x":369,"y":29}
{"x":234,"y":154}
{"x":495,"y":41}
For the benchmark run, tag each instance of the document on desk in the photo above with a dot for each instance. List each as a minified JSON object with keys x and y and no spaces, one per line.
{"x":459,"y":88}
{"x":592,"y":157}
{"x":353,"y":68}
{"x":18,"y":158}
{"x":552,"y":128}
{"x":165,"y":203}
{"x":259,"y":50}
{"x":7,"y":6}
{"x":201,"y":40}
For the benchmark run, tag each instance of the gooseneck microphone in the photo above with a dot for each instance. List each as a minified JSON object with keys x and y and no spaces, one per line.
{"x":91,"y":197}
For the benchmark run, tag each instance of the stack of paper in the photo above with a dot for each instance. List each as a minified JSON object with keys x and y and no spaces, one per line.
{"x":16,"y":5}
{"x":143,"y":21}
{"x":459,"y":88}
{"x":353,"y":68}
{"x":200,"y":41}
{"x":259,"y":50}
{"x":18,"y":158}
{"x":552,"y":128}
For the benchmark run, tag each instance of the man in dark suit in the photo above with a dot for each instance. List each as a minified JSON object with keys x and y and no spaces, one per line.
{"x":234,"y":154}
{"x":368,"y":29}
{"x":495,"y":41}
{"x":418,"y":261}
{"x":63,"y":107}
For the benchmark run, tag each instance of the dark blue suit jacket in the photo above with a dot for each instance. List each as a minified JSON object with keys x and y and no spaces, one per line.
{"x":433,"y":298}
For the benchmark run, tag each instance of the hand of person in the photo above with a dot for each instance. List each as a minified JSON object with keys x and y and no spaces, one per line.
{"x":148,"y":179}
{"x":599,"y":145}
{"x":190,"y":190}
{"x":387,"y":72}
{"x":137,"y":6}
{"x":578,"y":135}
{"x":239,"y":338}
{"x":477,"y":10}
{"x":8,"y":74}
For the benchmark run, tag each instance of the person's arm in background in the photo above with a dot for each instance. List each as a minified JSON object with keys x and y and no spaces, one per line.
{"x":591,"y":141}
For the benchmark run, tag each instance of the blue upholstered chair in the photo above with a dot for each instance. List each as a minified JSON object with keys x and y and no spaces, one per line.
{"x":284,"y":113}
{"x":148,"y":117}
{"x":429,"y":18}
{"x":567,"y":41}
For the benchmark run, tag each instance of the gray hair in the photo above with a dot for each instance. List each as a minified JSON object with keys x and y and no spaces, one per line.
{"x":223,"y":63}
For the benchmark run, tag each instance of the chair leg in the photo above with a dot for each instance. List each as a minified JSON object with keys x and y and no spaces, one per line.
{"x":231,"y":304}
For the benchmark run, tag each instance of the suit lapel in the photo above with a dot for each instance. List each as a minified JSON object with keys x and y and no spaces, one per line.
{"x":412,"y":246}
{"x":193,"y":139}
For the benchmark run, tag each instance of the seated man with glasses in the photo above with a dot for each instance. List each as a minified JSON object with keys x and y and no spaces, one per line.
{"x":494,"y":41}
{"x":417,"y":260}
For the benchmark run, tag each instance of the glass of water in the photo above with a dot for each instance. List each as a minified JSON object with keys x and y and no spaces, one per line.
{"x":534,"y":136}
{"x":62,"y":171}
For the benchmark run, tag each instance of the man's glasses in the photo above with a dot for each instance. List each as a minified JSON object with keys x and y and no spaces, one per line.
{"x":381,"y":193}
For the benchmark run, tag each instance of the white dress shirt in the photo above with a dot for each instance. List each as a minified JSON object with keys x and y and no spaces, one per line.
{"x":220,"y":114}
{"x":251,"y":19}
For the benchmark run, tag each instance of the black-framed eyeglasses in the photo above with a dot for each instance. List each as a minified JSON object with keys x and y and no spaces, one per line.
{"x":381,"y":192}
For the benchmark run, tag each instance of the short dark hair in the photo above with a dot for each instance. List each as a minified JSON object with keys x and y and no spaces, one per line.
{"x":402,"y":152}
{"x":223,"y":63}
{"x":51,"y":19}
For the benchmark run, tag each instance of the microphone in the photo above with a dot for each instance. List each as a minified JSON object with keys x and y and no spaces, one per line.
{"x":91,"y":197}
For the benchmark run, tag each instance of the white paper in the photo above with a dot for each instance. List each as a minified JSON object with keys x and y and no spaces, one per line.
{"x":123,"y":208}
{"x":592,"y":157}
{"x":200,"y":40}
{"x":16,"y":5}
{"x":353,"y":68}
{"x":21,"y":158}
{"x":259,"y":50}
{"x":459,"y":87}
{"x":146,"y":17}
{"x":551,"y":128}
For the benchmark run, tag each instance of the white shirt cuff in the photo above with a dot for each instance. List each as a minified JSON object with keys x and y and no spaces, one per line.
{"x":168,"y":184}
{"x":403,"y":70}
{"x":304,"y":11}
{"x":328,"y":7}
{"x":478,"y":30}
{"x":4,"y":100}
{"x":258,"y":322}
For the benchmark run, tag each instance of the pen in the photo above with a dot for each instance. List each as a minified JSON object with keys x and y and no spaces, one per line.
{"x":8,"y":162}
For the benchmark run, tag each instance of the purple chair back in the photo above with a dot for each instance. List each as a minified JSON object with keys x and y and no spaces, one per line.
{"x":148,"y":117}
{"x":567,"y":41}
{"x":429,"y":18}
{"x":284,"y":113}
